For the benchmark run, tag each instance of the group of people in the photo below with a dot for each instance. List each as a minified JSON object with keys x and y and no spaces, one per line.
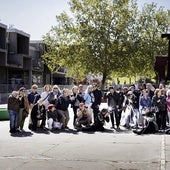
{"x":145,"y":108}
{"x":49,"y":110}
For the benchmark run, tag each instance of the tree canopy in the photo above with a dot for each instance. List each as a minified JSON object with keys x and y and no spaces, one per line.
{"x":107,"y":37}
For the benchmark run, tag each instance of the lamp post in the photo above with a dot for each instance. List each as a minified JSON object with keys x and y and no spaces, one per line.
{"x":168,"y":71}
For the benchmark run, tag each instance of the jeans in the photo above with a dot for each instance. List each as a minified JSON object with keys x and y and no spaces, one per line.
{"x":13,"y":117}
{"x":53,"y":124}
{"x":135,"y":117}
{"x":115,"y":113}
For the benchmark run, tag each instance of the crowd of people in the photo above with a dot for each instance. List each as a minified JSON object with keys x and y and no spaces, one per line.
{"x":143,"y":108}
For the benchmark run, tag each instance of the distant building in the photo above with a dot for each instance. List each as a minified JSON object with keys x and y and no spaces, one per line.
{"x":21,"y":63}
{"x":40,"y":73}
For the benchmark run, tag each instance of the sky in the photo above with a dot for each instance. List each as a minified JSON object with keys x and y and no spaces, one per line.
{"x":35,"y":17}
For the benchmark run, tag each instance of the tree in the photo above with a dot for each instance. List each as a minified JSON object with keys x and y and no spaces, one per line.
{"x":153,"y":22}
{"x":106,"y":37}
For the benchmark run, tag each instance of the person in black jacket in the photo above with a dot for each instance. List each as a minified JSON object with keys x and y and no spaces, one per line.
{"x":150,"y":127}
{"x":159,"y":103}
{"x":53,"y":118}
{"x":62,"y":107}
{"x":38,"y":112}
{"x":99,"y":122}
{"x":113,"y":105}
{"x":33,"y":96}
{"x":54,"y":95}
{"x":97,"y":100}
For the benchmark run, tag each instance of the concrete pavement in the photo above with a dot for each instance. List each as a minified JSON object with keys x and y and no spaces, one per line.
{"x":72,"y":150}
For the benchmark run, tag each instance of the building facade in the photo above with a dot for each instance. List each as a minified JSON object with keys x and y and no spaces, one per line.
{"x":21,"y":63}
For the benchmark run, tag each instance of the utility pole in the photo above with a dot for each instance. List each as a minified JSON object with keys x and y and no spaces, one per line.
{"x":168,"y":71}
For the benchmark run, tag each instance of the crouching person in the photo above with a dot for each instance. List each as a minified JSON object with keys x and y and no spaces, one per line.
{"x":99,"y":122}
{"x":53,"y":118}
{"x":83,"y":116}
{"x":150,"y":127}
{"x":38,"y":112}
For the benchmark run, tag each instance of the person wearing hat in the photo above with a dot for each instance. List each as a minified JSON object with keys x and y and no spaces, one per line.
{"x":53,"y":118}
{"x":13,"y":109}
{"x":23,"y":108}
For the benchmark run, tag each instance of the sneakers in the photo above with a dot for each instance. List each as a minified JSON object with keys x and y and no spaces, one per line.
{"x":14,"y":131}
{"x":136,"y":132}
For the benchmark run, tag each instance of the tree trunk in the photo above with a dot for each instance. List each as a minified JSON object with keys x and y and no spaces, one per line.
{"x":103,"y":81}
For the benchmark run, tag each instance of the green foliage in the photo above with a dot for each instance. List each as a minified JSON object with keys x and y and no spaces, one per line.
{"x":107,"y":37}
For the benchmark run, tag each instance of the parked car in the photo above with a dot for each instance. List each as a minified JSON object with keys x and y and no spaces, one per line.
{"x":4,"y":112}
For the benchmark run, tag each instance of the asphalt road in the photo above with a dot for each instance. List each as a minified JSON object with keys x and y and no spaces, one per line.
{"x":72,"y":150}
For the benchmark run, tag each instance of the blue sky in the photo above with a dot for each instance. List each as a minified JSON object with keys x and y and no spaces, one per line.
{"x":36,"y":17}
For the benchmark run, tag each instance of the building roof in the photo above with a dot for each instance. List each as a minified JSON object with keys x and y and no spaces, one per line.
{"x":19,"y":32}
{"x":3,"y":26}
{"x":37,"y":41}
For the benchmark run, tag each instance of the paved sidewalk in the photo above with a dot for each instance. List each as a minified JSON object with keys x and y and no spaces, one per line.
{"x":72,"y":150}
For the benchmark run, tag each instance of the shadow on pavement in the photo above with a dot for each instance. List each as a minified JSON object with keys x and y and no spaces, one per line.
{"x":42,"y":131}
{"x":71,"y":131}
{"x":92,"y":132}
{"x":22,"y":134}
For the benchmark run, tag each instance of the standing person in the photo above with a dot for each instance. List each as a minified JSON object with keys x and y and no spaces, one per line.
{"x":136,"y":96}
{"x":113,"y":105}
{"x":159,"y":102}
{"x":145,"y":105}
{"x":128,"y":110}
{"x":33,"y":96}
{"x":89,"y":98}
{"x":168,"y":105}
{"x":77,"y":98}
{"x":45,"y":94}
{"x":23,"y":108}
{"x":62,"y":108}
{"x":97,"y":100}
{"x":54,"y":95}
{"x":149,"y":90}
{"x":38,"y":112}
{"x":81,"y":90}
{"x":13,"y":110}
